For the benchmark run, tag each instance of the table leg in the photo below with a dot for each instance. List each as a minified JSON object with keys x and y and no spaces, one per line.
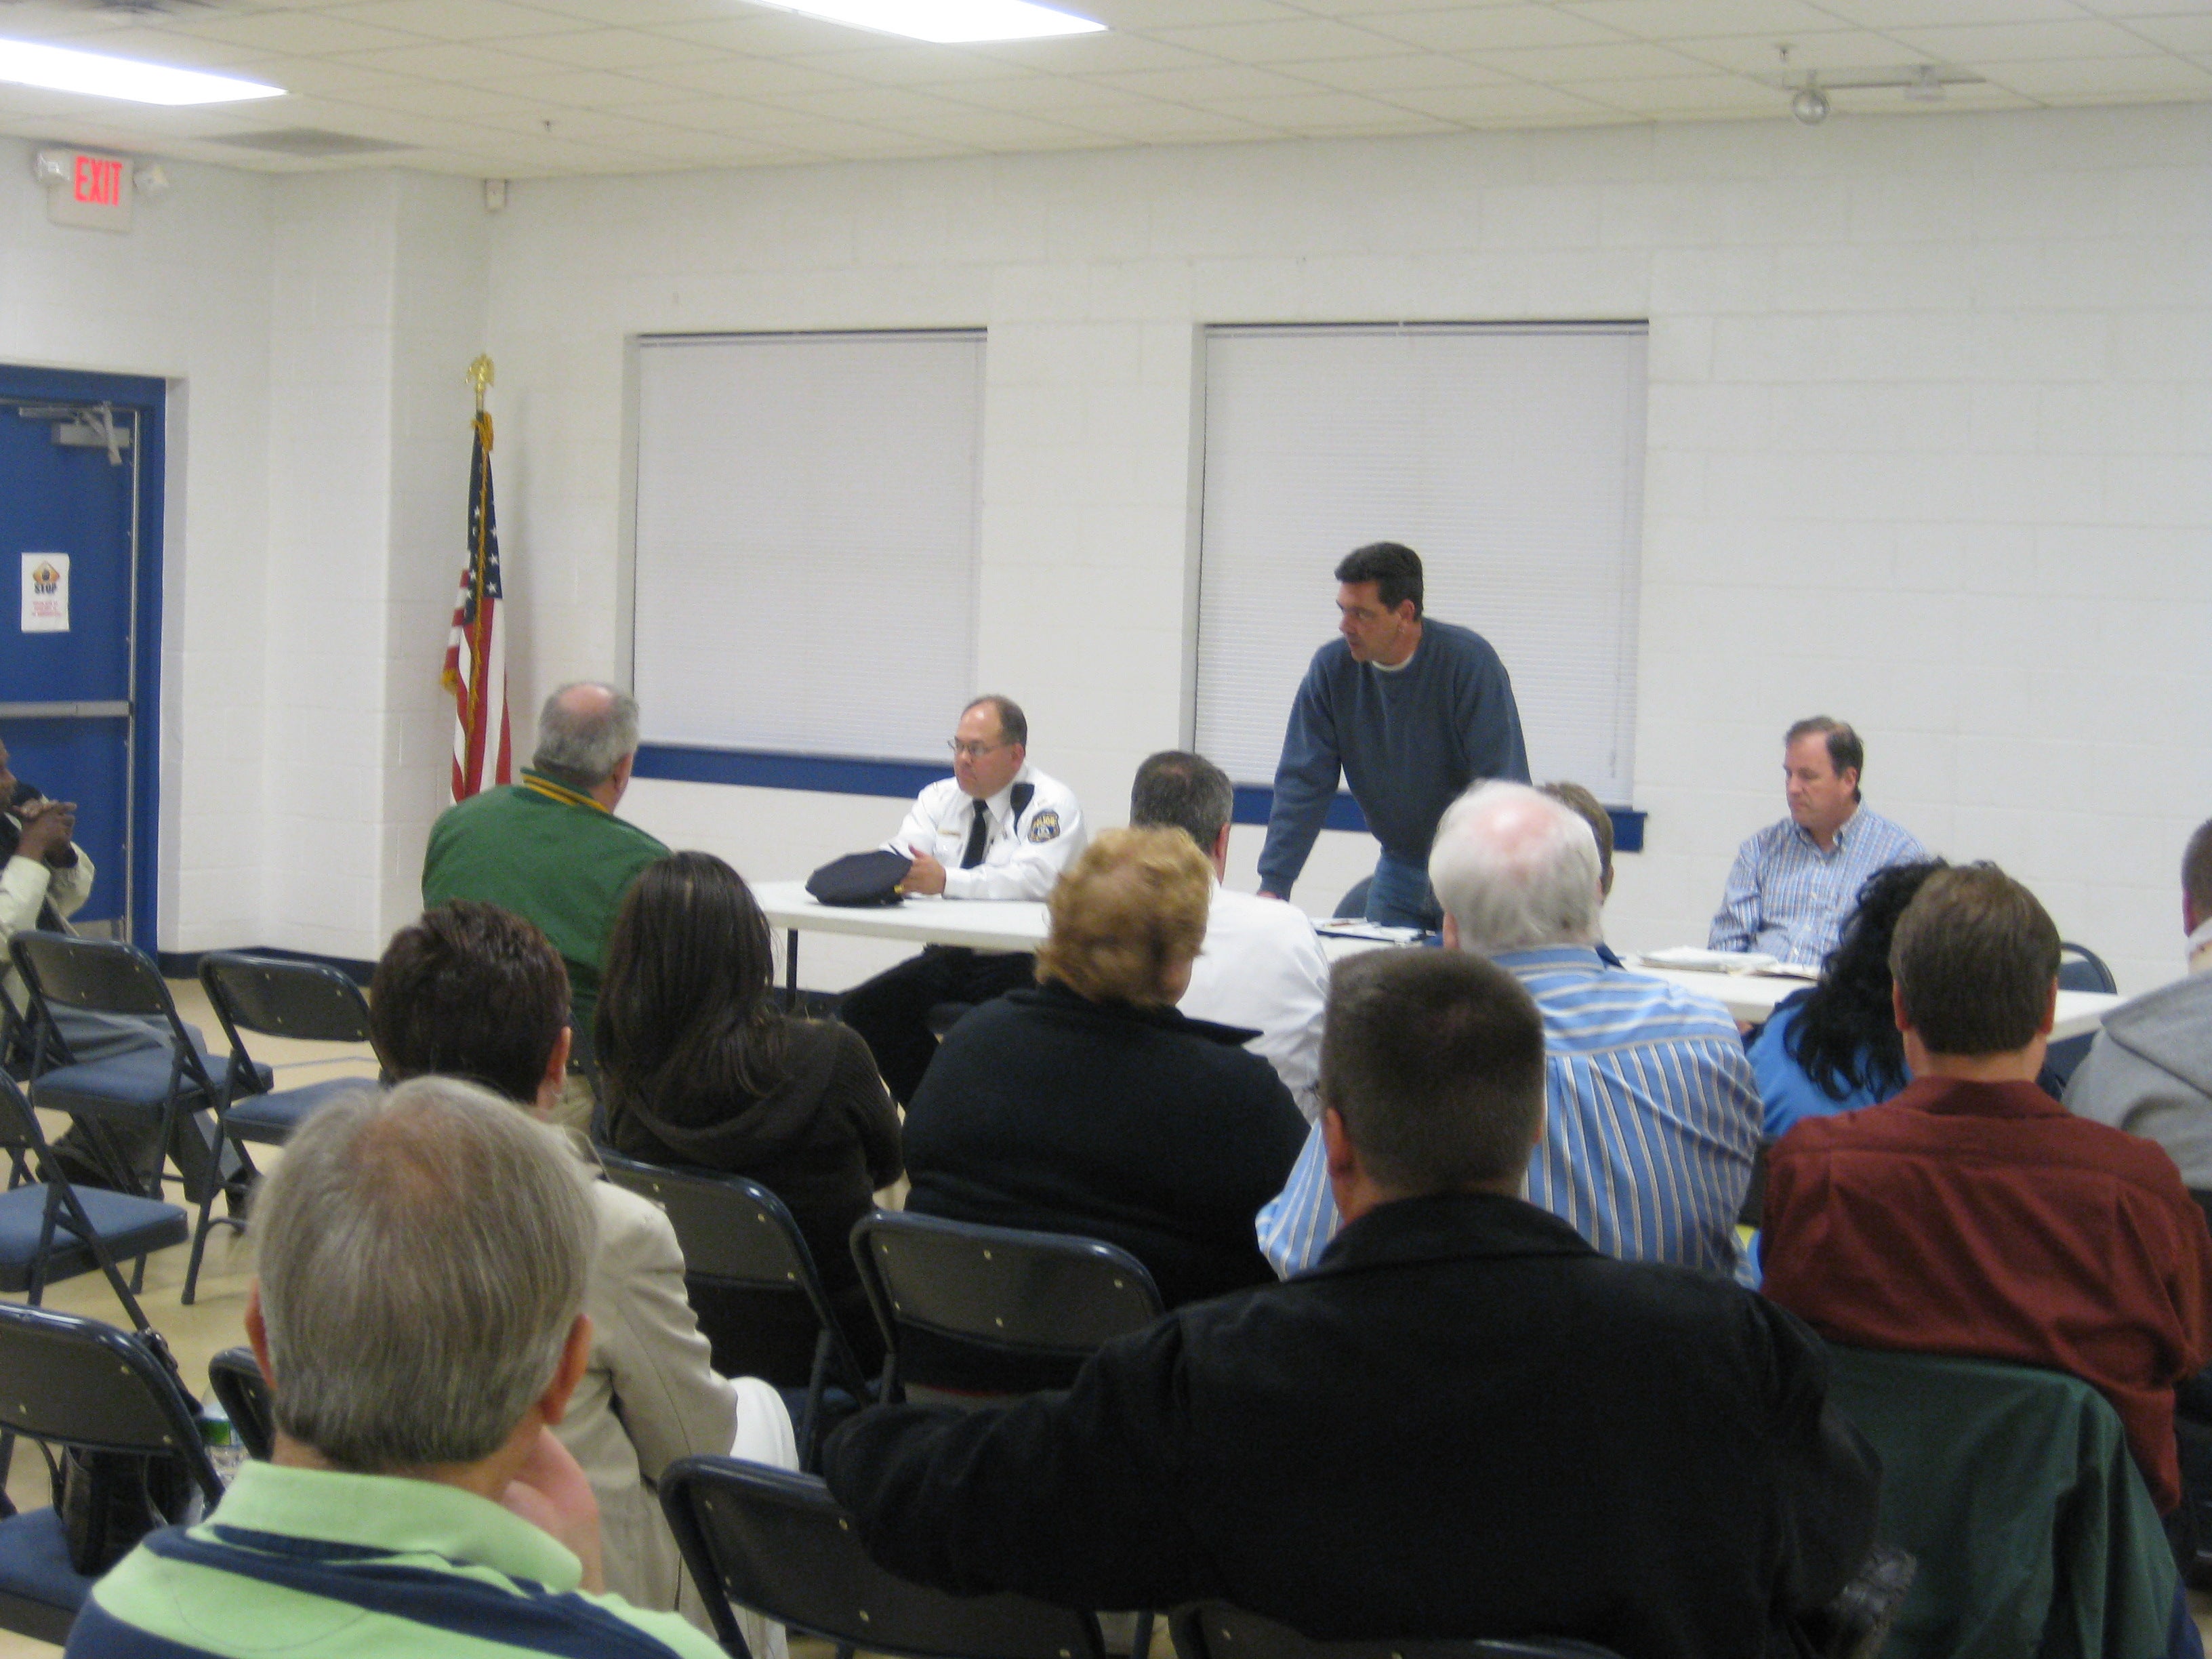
{"x":791,"y":970}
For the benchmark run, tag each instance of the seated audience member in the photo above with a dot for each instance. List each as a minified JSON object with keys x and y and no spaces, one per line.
{"x":1592,"y":813}
{"x":697,"y":1068}
{"x":422,"y":1258}
{"x":1088,"y":1104}
{"x":1464,"y":1422}
{"x":1652,"y":1118}
{"x":473,"y":991}
{"x":1834,"y":1046}
{"x":1794,"y":882}
{"x":2150,"y":1071}
{"x":1262,"y":966}
{"x":1973,"y":1214}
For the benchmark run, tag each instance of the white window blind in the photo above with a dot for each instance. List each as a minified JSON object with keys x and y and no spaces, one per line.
{"x":806,"y":540}
{"x":1510,"y":458}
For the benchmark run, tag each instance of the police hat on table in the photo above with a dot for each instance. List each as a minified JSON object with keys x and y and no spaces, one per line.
{"x":860,"y":878}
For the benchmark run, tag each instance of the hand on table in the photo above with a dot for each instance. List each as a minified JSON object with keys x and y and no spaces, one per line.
{"x":550,"y":1492}
{"x":927,"y":876}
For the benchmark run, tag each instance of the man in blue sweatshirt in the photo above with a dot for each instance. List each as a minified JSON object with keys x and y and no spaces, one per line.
{"x":1412,"y":712}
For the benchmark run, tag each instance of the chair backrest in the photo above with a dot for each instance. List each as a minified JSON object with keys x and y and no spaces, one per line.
{"x":77,"y":1382}
{"x":70,"y":1231}
{"x":235,"y":1376}
{"x":777,"y":1543}
{"x":103,"y":974}
{"x":2013,"y":1488}
{"x":735,"y":1234}
{"x":998,"y":1291}
{"x":2080,"y":968}
{"x":1216,"y":1629}
{"x":308,"y":1001}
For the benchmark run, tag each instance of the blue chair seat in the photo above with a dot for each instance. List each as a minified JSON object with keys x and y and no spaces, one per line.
{"x":272,"y":1117}
{"x":126,"y":1084}
{"x":40,"y":1592}
{"x":127,"y":1226}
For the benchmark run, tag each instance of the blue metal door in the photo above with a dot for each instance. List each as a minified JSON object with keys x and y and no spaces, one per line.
{"x":80,"y":477}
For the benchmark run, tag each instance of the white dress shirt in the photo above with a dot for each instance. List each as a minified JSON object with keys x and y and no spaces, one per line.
{"x":1025,"y":851}
{"x":1262,"y":967}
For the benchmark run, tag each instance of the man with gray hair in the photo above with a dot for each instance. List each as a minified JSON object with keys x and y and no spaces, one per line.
{"x":1262,"y":967}
{"x":551,"y":848}
{"x":1652,"y":1114}
{"x":418,"y":1312}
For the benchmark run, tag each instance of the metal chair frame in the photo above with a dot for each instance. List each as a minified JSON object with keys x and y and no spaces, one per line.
{"x":234,"y":1375}
{"x":1216,"y":1629}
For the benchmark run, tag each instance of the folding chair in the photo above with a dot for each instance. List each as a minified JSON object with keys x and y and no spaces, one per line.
{"x":777,"y":1543}
{"x":736,"y":1234}
{"x":2080,"y":969}
{"x":1215,"y":1629}
{"x":142,"y":1088}
{"x":971,"y":1313}
{"x":50,"y":1230}
{"x":308,"y":1002}
{"x":235,"y":1376}
{"x":68,"y":1381}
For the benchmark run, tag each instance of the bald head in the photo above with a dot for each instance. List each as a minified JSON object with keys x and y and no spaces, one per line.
{"x":586,"y":737}
{"x":1516,"y":870}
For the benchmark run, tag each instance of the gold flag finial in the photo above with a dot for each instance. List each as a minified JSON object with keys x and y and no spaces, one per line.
{"x":479,"y":377}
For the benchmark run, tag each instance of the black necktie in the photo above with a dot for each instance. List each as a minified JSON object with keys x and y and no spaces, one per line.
{"x":978,"y":832}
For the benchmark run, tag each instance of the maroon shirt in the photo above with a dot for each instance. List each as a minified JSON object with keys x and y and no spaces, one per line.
{"x":1981,"y":1219}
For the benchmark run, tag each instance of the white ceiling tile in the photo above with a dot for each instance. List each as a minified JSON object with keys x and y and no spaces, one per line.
{"x":155,"y":45}
{"x":1306,"y":40}
{"x":1675,"y":20}
{"x":1166,"y":124}
{"x":2113,"y":77}
{"x":2190,"y":34}
{"x":445,"y":99}
{"x":1929,"y":13}
{"x":608,"y":49}
{"x":1835,"y":49}
{"x":636,"y":13}
{"x":1033,"y":95}
{"x":303,"y":34}
{"x":1559,"y":66}
{"x":745,"y":77}
{"x":447,"y":61}
{"x":769,"y":33}
{"x":1324,"y":112}
{"x":897,"y":66}
{"x":1129,"y":15}
{"x":1993,"y":42}
{"x":455,"y":20}
{"x":582,"y":89}
{"x":1195,"y":86}
{"x":993,"y":130}
{"x":867,"y":104}
{"x":1395,"y":73}
{"x":1093,"y":54}
{"x":1500,"y":106}
{"x":1708,"y":94}
{"x":729,"y":116}
{"x":1491,"y":29}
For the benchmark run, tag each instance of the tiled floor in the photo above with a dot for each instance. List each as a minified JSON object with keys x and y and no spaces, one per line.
{"x":215,"y":1321}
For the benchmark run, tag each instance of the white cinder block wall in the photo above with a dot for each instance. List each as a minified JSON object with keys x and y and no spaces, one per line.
{"x":1931,"y":404}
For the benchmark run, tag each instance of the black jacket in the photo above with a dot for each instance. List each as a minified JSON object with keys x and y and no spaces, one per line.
{"x":1137,"y":1126}
{"x":1462,"y":1422}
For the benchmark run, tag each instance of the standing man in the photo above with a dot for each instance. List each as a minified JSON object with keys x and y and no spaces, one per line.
{"x":997,"y":829}
{"x":1796,"y":881}
{"x":1412,"y":712}
{"x":551,"y":848}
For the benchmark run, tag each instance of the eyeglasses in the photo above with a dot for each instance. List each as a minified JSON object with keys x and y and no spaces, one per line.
{"x":973,"y":750}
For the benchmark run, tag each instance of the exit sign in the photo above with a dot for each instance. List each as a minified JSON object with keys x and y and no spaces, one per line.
{"x":85,"y":187}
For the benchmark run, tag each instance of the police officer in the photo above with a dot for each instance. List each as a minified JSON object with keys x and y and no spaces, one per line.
{"x":997,"y":829}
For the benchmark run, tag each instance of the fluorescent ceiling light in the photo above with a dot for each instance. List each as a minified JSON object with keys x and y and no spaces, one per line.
{"x":946,"y":21}
{"x":62,"y":69}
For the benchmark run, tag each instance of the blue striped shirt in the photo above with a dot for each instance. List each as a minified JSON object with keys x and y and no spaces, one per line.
{"x":1788,"y":898}
{"x":1650,"y":1122}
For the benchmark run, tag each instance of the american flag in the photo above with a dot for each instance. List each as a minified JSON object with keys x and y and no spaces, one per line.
{"x":476,"y":651}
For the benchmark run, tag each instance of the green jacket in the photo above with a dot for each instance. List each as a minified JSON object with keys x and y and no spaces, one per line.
{"x":546,"y":853}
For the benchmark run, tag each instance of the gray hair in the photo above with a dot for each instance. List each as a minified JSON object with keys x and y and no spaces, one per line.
{"x":581,"y":740}
{"x":423,"y":1256}
{"x":1185,"y":792}
{"x":1516,"y":870}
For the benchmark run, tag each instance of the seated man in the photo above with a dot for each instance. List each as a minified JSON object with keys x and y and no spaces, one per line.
{"x":1262,"y":967}
{"x":1794,"y":882}
{"x":1465,"y":1422}
{"x":997,"y":829}
{"x":551,"y":848}
{"x":1651,"y":1117}
{"x":1972,"y":1215}
{"x":1592,"y":813}
{"x":2150,"y":1071}
{"x":423,"y":1261}
{"x":474,"y":991}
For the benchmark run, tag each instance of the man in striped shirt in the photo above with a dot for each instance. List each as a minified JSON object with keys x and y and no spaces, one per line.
{"x":1795,"y":882}
{"x":1651,"y":1115}
{"x":422,"y":1258}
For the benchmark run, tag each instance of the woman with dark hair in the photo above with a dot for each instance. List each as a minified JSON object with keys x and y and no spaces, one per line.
{"x":697,"y":1068}
{"x":1835,"y":1045}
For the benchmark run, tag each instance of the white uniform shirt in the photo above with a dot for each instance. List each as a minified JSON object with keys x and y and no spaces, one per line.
{"x":1025,"y":851}
{"x":1262,"y":967}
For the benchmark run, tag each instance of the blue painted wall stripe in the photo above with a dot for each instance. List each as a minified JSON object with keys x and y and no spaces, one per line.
{"x":838,"y":774}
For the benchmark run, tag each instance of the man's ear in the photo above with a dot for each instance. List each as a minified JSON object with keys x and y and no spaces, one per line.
{"x":1336,"y":1143}
{"x":257,"y":1332}
{"x":1219,"y":853}
{"x":1451,"y":932}
{"x":549,"y":1086}
{"x":575,"y":1357}
{"x":1897,"y":1006}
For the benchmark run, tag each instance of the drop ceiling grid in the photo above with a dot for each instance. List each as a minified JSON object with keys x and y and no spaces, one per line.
{"x":518,"y":87}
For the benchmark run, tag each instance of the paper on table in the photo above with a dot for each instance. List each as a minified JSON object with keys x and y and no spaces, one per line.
{"x":1351,"y":927}
{"x":1699,"y":960}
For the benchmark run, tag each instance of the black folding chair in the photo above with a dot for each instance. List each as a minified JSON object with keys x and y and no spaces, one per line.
{"x":777,"y":1543}
{"x":144,"y":1089}
{"x":234,"y":1375}
{"x":972,"y":1312}
{"x":737,"y":1235}
{"x":1215,"y":1629}
{"x":49,"y":1229}
{"x":308,"y":1002}
{"x":68,"y":1381}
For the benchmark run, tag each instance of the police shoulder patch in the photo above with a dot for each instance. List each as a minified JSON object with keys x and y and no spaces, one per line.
{"x":1045,"y":826}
